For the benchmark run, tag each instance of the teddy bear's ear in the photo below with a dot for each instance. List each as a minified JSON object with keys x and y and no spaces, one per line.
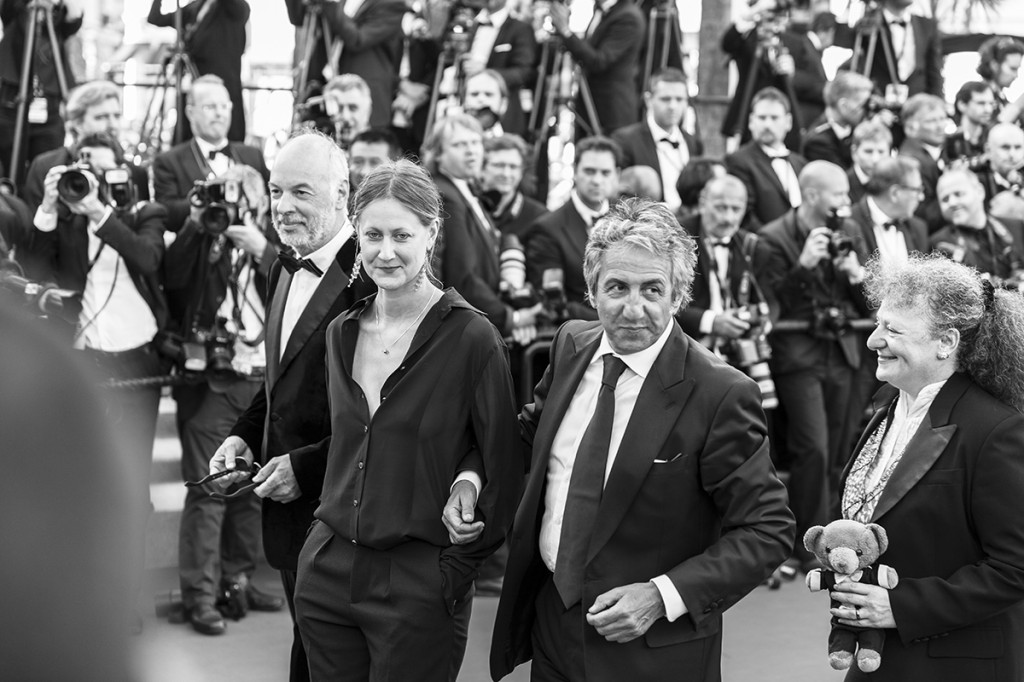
{"x":880,"y":536}
{"x":811,"y":537}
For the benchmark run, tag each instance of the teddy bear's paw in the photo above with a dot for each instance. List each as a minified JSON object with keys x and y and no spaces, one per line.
{"x":868,"y":660}
{"x":840,"y":660}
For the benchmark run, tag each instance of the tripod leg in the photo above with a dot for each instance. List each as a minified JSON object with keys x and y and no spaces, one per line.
{"x":748,"y":92}
{"x":62,"y":78}
{"x":538,"y":89}
{"x":652,"y":22}
{"x":21,"y":122}
{"x":588,"y":102}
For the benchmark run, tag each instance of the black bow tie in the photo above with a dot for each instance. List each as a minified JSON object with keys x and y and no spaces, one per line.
{"x":898,"y":22}
{"x":293,"y":264}
{"x":721,"y":242}
{"x":892,"y":224}
{"x":484,"y":22}
{"x":214,"y":152}
{"x":675,"y":145}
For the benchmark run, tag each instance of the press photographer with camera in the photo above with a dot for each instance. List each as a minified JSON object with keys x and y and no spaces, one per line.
{"x":809,"y":264}
{"x":344,"y":109}
{"x":975,"y":110}
{"x":870,"y":142}
{"x":924,"y":122}
{"x":215,"y":193}
{"x":502,"y":181}
{"x":727,"y":312}
{"x":1000,"y":168}
{"x":846,"y":101}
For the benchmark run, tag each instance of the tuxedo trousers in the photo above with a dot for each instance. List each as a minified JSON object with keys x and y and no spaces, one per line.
{"x":368,"y":615}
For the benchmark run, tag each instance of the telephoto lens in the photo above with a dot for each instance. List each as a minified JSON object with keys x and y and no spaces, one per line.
{"x":75,"y":184}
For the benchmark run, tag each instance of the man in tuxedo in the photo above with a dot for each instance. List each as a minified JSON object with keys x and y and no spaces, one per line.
{"x":975,"y":108}
{"x":845,"y":100}
{"x":215,"y":40}
{"x":309,"y":186}
{"x":506,"y":45}
{"x":724,"y":259}
{"x":487,"y":99}
{"x":1004,"y":147}
{"x":870,"y":143}
{"x":609,"y":54}
{"x":349,"y":106}
{"x":636,"y":531}
{"x":658,"y":141}
{"x":888,"y":226}
{"x":215,"y":534}
{"x":809,"y":78}
{"x":366,"y":40}
{"x":557,"y":241}
{"x":913,"y":41}
{"x":501,"y":178}
{"x":768,"y":169}
{"x":808,"y":278}
{"x":994,"y":246}
{"x":924,"y":122}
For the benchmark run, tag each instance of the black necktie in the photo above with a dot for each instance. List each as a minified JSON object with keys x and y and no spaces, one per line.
{"x":585,"y":487}
{"x":675,"y":145}
{"x":214,"y":152}
{"x":293,"y":264}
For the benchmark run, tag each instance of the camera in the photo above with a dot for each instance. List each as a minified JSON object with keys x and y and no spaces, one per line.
{"x":556,"y":305}
{"x":513,"y":287}
{"x":876,"y":104}
{"x":218,"y":201}
{"x":458,"y":36}
{"x":830,"y":322}
{"x":839,"y":245}
{"x":752,"y":351}
{"x":113,"y":186}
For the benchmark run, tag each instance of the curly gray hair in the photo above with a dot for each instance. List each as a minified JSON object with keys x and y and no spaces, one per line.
{"x":955,"y":296}
{"x":648,"y":225}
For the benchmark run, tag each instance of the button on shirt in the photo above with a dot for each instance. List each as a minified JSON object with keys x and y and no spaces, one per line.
{"x":892,"y":245}
{"x":567,"y":442}
{"x":671,"y":160}
{"x":304,"y":283}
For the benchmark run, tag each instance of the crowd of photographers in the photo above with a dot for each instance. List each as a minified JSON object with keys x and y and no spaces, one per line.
{"x":162,"y":267}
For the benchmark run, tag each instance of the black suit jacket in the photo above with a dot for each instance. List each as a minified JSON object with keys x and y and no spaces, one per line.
{"x":216,"y":46}
{"x":795,"y":293}
{"x":292,"y":409}
{"x":915,"y":232}
{"x":857,"y":189}
{"x":822,"y":144}
{"x":519,"y":216}
{"x":558,"y":240}
{"x":640,"y":149}
{"x":766,"y":198}
{"x":372,"y":48}
{"x":997,"y":250}
{"x":741,"y":254}
{"x":959,"y":604}
{"x":14,"y":16}
{"x":611,"y":60}
{"x":928,"y":210}
{"x":809,"y":79}
{"x":514,"y":56}
{"x":468,"y":255}
{"x":692,"y":495}
{"x":928,"y":59}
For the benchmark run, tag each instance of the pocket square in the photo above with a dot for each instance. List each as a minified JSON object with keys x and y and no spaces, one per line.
{"x":676,"y":456}
{"x":504,"y":47}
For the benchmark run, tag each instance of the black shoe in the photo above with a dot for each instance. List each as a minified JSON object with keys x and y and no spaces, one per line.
{"x":259,"y":600}
{"x":231,"y":599}
{"x":206,"y":620}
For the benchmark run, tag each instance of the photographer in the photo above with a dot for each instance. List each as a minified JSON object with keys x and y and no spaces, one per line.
{"x":366,"y":41}
{"x":348,"y":106}
{"x":486,"y":100}
{"x":975,"y":107}
{"x":846,"y":100}
{"x":206,"y":268}
{"x":501,"y":179}
{"x":1004,"y":152}
{"x":870,"y":143}
{"x":924,"y":122}
{"x":45,"y":129}
{"x":809,"y":264}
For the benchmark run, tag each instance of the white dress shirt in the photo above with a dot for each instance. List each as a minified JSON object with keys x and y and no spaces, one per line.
{"x":567,"y":442}
{"x":588,"y":214}
{"x":719,"y":255}
{"x":671,"y":160}
{"x":304,"y":283}
{"x":220,"y":163}
{"x":906,"y":418}
{"x":892,"y":244}
{"x":785,"y":172}
{"x":486,"y":34}
{"x":903,"y":45}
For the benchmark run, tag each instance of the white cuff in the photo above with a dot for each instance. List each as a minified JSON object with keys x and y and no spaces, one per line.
{"x":45,"y":222}
{"x":470,"y":476}
{"x":94,"y":227}
{"x":674,"y":606}
{"x":707,"y":321}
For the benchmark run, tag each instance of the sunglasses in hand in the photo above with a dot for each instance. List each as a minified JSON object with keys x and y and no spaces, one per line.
{"x":236,"y":489}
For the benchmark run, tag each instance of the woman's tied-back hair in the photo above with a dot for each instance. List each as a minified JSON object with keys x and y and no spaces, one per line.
{"x":648,"y":225}
{"x":955,"y":296}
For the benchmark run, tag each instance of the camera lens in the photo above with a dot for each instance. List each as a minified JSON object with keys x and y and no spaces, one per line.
{"x":73,"y":186}
{"x":216,"y":219}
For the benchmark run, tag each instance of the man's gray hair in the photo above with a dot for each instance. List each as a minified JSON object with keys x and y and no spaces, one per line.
{"x":648,"y":225}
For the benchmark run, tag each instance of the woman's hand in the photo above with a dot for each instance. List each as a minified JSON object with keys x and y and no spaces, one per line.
{"x":865,"y":606}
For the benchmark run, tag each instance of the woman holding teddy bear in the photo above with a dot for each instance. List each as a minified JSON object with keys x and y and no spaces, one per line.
{"x":941,"y":467}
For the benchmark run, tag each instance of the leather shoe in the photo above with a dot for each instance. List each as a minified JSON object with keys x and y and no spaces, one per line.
{"x":206,"y":620}
{"x":261,"y":601}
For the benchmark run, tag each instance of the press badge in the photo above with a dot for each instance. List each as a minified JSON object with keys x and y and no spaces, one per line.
{"x":38,"y":111}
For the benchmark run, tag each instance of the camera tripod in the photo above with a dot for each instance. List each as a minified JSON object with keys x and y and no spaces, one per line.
{"x":763,"y":52}
{"x":663,"y":42}
{"x":554,"y":90}
{"x":175,"y":68}
{"x":315,"y":31}
{"x":39,"y":11}
{"x":869,"y":30}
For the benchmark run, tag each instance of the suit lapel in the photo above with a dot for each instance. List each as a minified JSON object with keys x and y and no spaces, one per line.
{"x":767,"y":170}
{"x":650,"y":147}
{"x":882,"y":402}
{"x":274,"y":319}
{"x":862,"y":216}
{"x":656,"y":413}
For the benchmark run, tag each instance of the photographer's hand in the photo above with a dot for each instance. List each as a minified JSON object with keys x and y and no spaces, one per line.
{"x":784,"y":64}
{"x":528,"y":317}
{"x":248,"y":237}
{"x":560,"y":19}
{"x":90,"y":206}
{"x":233,"y":448}
{"x":815,"y":248}
{"x":50,"y":194}
{"x":850,"y":266}
{"x":729,"y":326}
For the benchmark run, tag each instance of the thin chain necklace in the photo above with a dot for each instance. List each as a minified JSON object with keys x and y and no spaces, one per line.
{"x":387,"y":347}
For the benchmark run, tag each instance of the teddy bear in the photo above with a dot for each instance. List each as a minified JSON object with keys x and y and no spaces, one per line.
{"x":848,"y":550}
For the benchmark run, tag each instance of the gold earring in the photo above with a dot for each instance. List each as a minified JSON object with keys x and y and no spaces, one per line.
{"x":943,"y":356}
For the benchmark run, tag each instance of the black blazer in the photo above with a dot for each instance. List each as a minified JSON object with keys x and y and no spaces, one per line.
{"x":928,"y":58}
{"x":611,"y":60}
{"x":14,"y":16}
{"x":292,"y":410}
{"x":809,"y":79}
{"x":468,"y":255}
{"x":558,"y":240}
{"x":822,"y":144}
{"x":857,"y":189}
{"x":372,"y":48}
{"x":998,"y":250}
{"x":959,"y":604}
{"x":514,"y":56}
{"x":640,"y":149}
{"x":766,"y":198}
{"x":692,"y":495}
{"x":740,"y":249}
{"x":928,"y":210}
{"x":216,"y":46}
{"x":519,"y":216}
{"x":915,"y":232}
